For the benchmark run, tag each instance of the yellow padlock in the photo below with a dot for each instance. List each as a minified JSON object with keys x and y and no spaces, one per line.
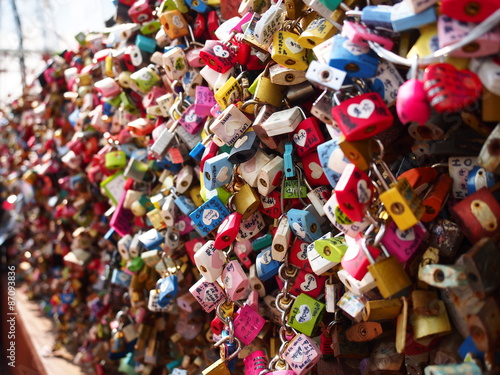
{"x":288,"y":52}
{"x":316,"y":33}
{"x":228,"y":93}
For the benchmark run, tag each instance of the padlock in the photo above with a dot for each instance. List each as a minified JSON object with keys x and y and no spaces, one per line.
{"x":248,"y":324}
{"x":333,"y":161}
{"x":281,"y":239}
{"x":305,"y":314}
{"x":325,"y":76}
{"x":268,"y":25}
{"x":287,"y":51}
{"x":356,"y":60}
{"x":301,"y":354}
{"x":402,"y":203}
{"x":218,"y":56}
{"x":469,"y":11}
{"x":355,"y":261}
{"x":318,"y":31}
{"x":478,"y":178}
{"x":151,"y":240}
{"x":427,"y":326}
{"x":208,"y":295}
{"x":360,"y":34}
{"x":388,"y":273}
{"x":307,"y":136}
{"x":362,"y":116}
{"x":319,"y":264}
{"x":230,"y":125}
{"x":172,"y":240}
{"x":220,"y":367}
{"x":266,"y":266}
{"x":244,"y":148}
{"x":283,"y":122}
{"x":403,"y":244}
{"x":217,"y":171}
{"x":385,"y":309}
{"x":145,"y":78}
{"x":477,"y":215}
{"x":235,"y":281}
{"x":210,"y":215}
{"x":332,"y":248}
{"x":174,"y":24}
{"x":308,"y":283}
{"x":270,"y":175}
{"x":168,"y":290}
{"x":353,"y":305}
{"x":338,"y":218}
{"x":230,"y":92}
{"x":402,"y":17}
{"x":281,"y":75}
{"x":250,"y":227}
{"x":268,"y":92}
{"x":358,"y":287}
{"x":305,"y":223}
{"x":228,"y":231}
{"x":354,"y":192}
{"x":255,"y":362}
{"x":210,"y":261}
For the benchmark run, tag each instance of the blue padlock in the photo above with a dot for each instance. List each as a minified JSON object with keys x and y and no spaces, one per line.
{"x":151,"y":240}
{"x":217,"y":171}
{"x":403,"y":18}
{"x":119,"y":277}
{"x":183,"y":203}
{"x":374,"y":16}
{"x":478,"y":178}
{"x":266,"y":266}
{"x":354,"y":59}
{"x":288,"y":160}
{"x":198,"y":5}
{"x":305,"y":223}
{"x":145,"y":44}
{"x":230,"y":348}
{"x":168,"y":289}
{"x":333,"y":160}
{"x":209,"y":215}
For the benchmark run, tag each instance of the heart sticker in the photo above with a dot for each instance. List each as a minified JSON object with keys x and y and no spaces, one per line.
{"x":231,"y":127}
{"x":181,"y":225}
{"x":240,"y":141}
{"x":362,"y":110}
{"x":316,"y":170}
{"x":300,"y":138}
{"x":336,"y":161}
{"x":220,"y":51}
{"x":293,"y":46}
{"x":406,"y":235}
{"x":223,"y":174}
{"x":249,"y":166}
{"x":191,"y":116}
{"x":304,"y":314}
{"x":176,"y":20}
{"x":267,"y":202}
{"x":364,"y":194}
{"x":309,"y":283}
{"x":266,"y":257}
{"x":277,"y":178}
{"x":209,"y":215}
{"x":228,"y":281}
{"x":302,"y":255}
{"x":298,"y":356}
{"x":299,"y":231}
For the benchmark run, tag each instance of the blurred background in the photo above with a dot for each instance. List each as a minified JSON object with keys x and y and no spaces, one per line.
{"x":31,"y":31}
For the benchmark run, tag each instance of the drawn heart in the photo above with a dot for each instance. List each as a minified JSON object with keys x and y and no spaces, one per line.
{"x":300,"y":138}
{"x":191,"y":116}
{"x":209,"y":215}
{"x":309,"y":283}
{"x":293,"y":46}
{"x":449,"y":89}
{"x":299,"y":231}
{"x":240,"y":141}
{"x":302,"y":255}
{"x":176,"y":20}
{"x":223,"y":174}
{"x":316,"y":170}
{"x":231,"y":127}
{"x":363,"y":110}
{"x":298,"y":356}
{"x":217,"y":259}
{"x":266,"y":257}
{"x":304,"y":314}
{"x":364,"y":193}
{"x":337,"y":162}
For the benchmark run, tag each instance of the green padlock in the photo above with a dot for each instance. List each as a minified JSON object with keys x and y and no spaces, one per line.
{"x":291,"y":189}
{"x":115,"y":159}
{"x":306,"y":314}
{"x":332,"y":249}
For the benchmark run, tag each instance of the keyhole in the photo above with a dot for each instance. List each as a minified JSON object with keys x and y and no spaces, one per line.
{"x":351,"y":67}
{"x":290,"y":62}
{"x":207,"y":175}
{"x":472,"y":8}
{"x":203,"y":269}
{"x":195,"y":3}
{"x":494,"y":146}
{"x":279,"y":247}
{"x":471,"y":47}
{"x":439,"y":276}
{"x":325,"y":75}
{"x":327,"y":251}
{"x":173,"y":237}
{"x":397,"y":208}
{"x":226,"y":238}
{"x":257,"y":286}
{"x":289,"y":77}
{"x":313,"y":228}
{"x":263,"y":182}
{"x":184,"y":183}
{"x":240,"y":290}
{"x":312,"y":42}
{"x":370,"y":129}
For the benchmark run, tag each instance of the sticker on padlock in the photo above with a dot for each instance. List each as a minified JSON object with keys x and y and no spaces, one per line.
{"x":305,"y":223}
{"x":287,"y":52}
{"x":307,"y":136}
{"x":210,"y":215}
{"x":302,"y":353}
{"x":208,"y":295}
{"x":230,"y":125}
{"x":218,"y":56}
{"x":217,"y":171}
{"x":250,"y":227}
{"x":309,"y":284}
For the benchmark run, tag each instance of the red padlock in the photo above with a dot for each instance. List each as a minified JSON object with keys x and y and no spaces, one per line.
{"x":307,"y":136}
{"x":449,"y":89}
{"x":363,"y":116}
{"x":218,"y":56}
{"x":469,"y":10}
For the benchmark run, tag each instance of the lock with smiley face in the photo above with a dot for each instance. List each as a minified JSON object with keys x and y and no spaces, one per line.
{"x":218,"y":56}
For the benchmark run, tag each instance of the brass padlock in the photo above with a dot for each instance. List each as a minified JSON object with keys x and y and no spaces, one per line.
{"x":389,"y":274}
{"x":268,"y":92}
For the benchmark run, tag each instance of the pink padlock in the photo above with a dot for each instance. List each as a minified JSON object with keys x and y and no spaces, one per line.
{"x":150,"y":99}
{"x":355,"y":261}
{"x":248,"y":324}
{"x":108,"y":87}
{"x":193,"y":58}
{"x":412,"y":104}
{"x":183,"y":223}
{"x":242,"y":250}
{"x":204,"y":100}
{"x":255,"y":362}
{"x":207,"y":294}
{"x":191,"y":120}
{"x":403,"y":244}
{"x":301,"y":354}
{"x":235,"y":280}
{"x":361,"y":34}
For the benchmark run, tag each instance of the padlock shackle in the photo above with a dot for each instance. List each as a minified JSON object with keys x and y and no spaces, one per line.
{"x":236,"y":351}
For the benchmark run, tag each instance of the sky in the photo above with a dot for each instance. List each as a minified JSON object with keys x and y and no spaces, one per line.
{"x":48,"y":25}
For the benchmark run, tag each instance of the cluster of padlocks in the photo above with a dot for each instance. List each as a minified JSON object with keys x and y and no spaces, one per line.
{"x":259,"y":187}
